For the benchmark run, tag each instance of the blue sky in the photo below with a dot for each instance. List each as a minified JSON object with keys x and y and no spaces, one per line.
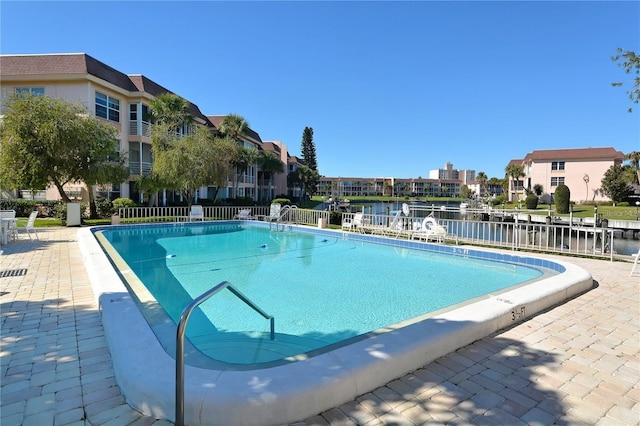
{"x":390,"y":88}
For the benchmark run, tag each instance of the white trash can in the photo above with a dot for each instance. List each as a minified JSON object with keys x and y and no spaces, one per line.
{"x":322,"y":223}
{"x":73,"y":214}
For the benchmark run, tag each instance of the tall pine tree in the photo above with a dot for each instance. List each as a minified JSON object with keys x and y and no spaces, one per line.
{"x":309,"y":149}
{"x":309,"y":175}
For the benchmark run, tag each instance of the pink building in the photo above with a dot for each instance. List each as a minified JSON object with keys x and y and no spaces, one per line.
{"x":580,"y":169}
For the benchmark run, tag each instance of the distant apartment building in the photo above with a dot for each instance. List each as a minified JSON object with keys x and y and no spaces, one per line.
{"x":343,"y":187}
{"x":123,"y":101}
{"x":449,"y":173}
{"x":445,"y":182}
{"x":580,"y":169}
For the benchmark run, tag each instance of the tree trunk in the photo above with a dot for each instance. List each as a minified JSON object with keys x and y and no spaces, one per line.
{"x":63,"y":194}
{"x":93,"y":210}
{"x":153,"y":197}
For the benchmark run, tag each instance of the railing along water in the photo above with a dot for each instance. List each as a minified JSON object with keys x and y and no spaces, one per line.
{"x":515,"y":234}
{"x":309,"y":217}
{"x":180,"y":332}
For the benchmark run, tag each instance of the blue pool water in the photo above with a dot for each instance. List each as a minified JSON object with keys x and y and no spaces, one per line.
{"x":321,"y":289}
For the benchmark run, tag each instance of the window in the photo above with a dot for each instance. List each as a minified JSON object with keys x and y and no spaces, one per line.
{"x":35,"y":91}
{"x":107,"y":107}
{"x":133,"y":112}
{"x":555,"y":181}
{"x":557,"y":165}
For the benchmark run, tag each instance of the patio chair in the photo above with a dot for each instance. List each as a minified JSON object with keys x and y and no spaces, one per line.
{"x":30,"y":226}
{"x":244,"y":214}
{"x":636,"y":265}
{"x":430,"y":230}
{"x":274,"y":212}
{"x":353,"y":223}
{"x":394,"y":229}
{"x":196,"y":213}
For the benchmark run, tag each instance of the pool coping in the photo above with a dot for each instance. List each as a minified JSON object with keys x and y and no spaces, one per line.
{"x":291,"y":392}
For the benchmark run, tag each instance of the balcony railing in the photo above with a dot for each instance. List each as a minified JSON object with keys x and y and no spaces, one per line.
{"x":146,"y":129}
{"x":136,"y":168}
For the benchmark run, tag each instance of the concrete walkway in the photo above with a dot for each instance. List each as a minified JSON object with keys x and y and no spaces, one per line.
{"x":576,"y":364}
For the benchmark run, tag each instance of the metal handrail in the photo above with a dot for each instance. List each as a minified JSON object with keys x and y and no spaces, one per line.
{"x":285,"y":211}
{"x":182,"y":327}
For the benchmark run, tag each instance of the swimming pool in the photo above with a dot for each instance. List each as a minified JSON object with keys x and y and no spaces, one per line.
{"x":295,"y":390}
{"x":322,"y":291}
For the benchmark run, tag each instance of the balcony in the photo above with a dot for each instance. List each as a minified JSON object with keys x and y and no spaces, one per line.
{"x":138,"y":168}
{"x":145,"y":129}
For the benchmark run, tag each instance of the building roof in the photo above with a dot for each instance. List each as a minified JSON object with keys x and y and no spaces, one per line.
{"x":63,"y":63}
{"x":606,"y":153}
{"x":270,"y":146}
{"x":81,"y":64}
{"x":293,"y":159}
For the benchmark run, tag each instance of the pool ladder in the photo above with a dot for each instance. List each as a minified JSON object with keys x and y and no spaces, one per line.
{"x":182,"y":327}
{"x":282,"y":219}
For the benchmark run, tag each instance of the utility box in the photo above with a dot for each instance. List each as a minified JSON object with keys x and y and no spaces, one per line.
{"x":73,"y":214}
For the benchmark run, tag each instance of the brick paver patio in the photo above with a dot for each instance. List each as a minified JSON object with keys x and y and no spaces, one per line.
{"x":576,"y":364}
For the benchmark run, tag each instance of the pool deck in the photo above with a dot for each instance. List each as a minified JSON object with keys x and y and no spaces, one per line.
{"x":576,"y":364}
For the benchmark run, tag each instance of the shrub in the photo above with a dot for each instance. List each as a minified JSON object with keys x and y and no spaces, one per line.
{"x":500,"y":199}
{"x":283,"y":201}
{"x":335,"y":218}
{"x":104,"y":207}
{"x":21,"y":206}
{"x":123,"y":202}
{"x":531,"y":201}
{"x":562,"y":197}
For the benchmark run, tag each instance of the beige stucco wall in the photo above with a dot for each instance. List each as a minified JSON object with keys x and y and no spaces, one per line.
{"x":82,"y":91}
{"x":574,"y":172}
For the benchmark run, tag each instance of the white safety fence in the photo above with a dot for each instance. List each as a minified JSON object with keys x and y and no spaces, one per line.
{"x":516,"y":234}
{"x":181,"y":214}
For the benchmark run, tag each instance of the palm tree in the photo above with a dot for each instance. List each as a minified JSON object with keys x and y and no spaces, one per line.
{"x":634,"y":158}
{"x":269,"y":164}
{"x":170,"y":114}
{"x":538,"y":189}
{"x":515,"y":171}
{"x":494,"y":181}
{"x":482,"y":179}
{"x":242,"y":160}
{"x":172,"y":111}
{"x":234,"y":126}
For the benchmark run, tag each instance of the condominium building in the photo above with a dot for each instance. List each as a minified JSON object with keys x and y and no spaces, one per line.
{"x":382,"y":186}
{"x":123,"y":101}
{"x":449,"y":173}
{"x":579,"y":169}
